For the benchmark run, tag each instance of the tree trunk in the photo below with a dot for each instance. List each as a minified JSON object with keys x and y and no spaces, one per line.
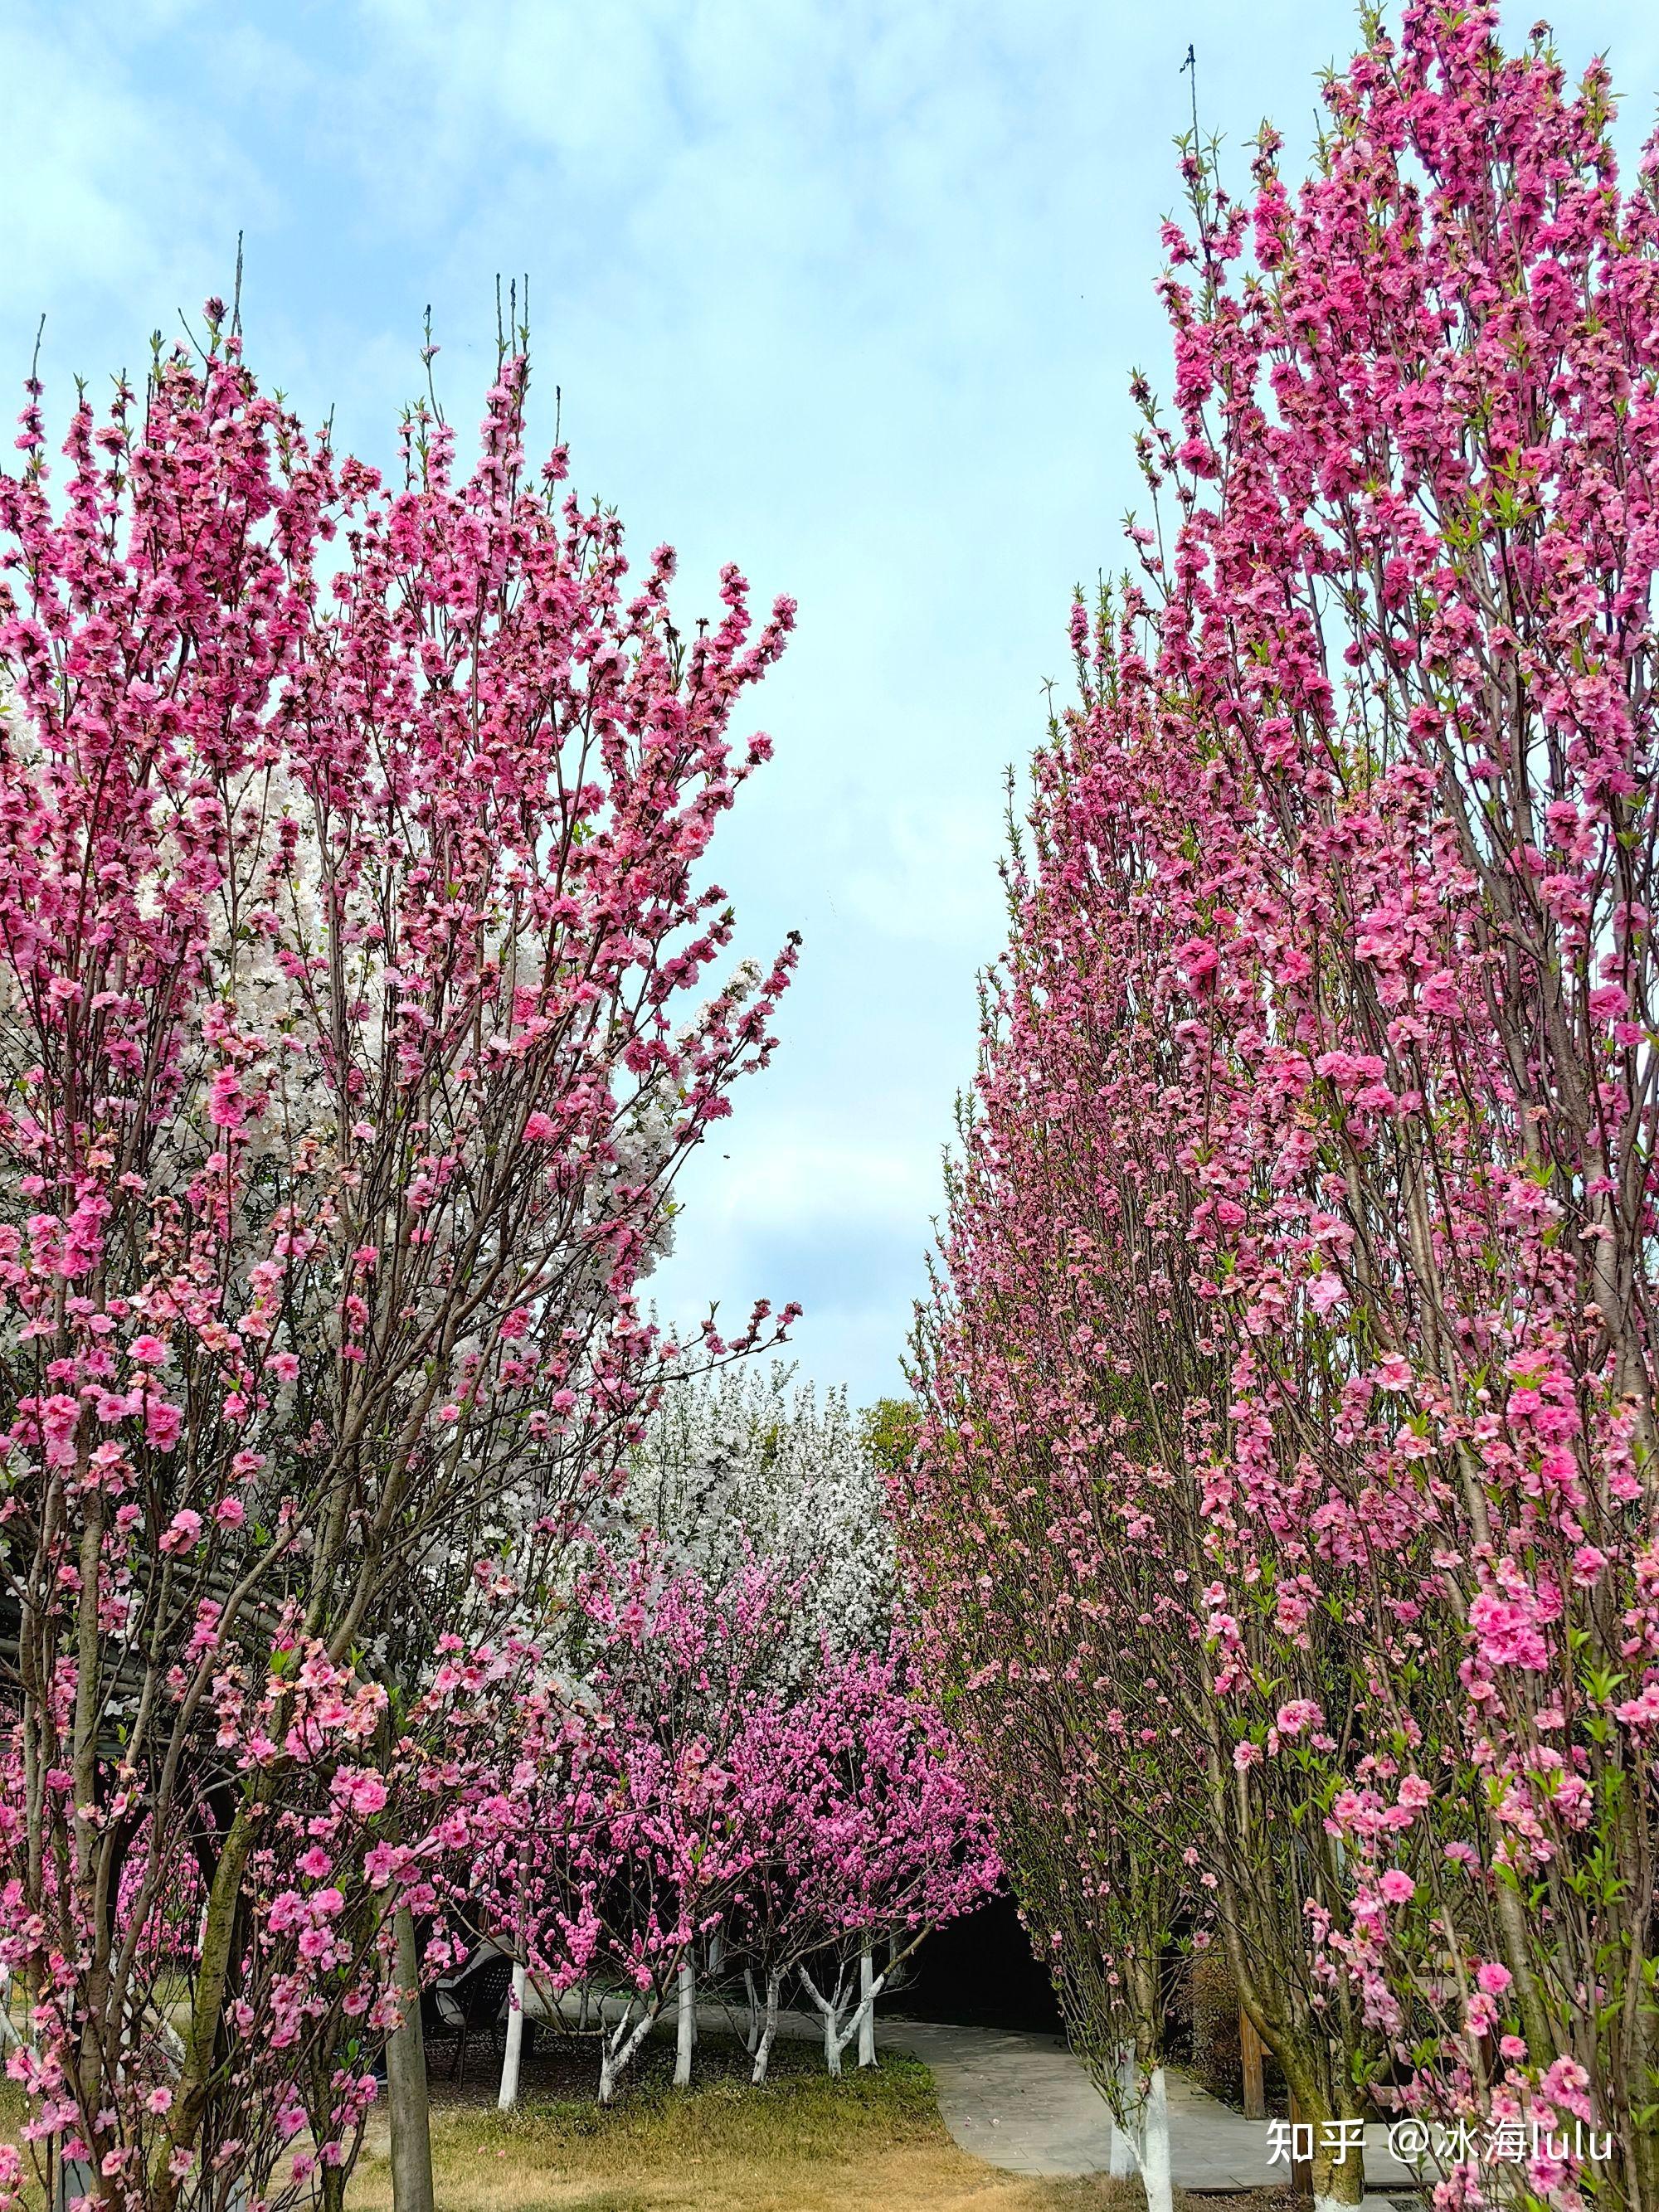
{"x":405,"y":2069}
{"x":1338,"y":2175}
{"x":1155,"y":2171}
{"x":514,"y":2051}
{"x":867,"y":2008}
{"x":685,"y":2024}
{"x":615,"y":2050}
{"x":1251,"y":2058}
{"x":764,"y":2041}
{"x":1140,"y":2141}
{"x":836,"y":2037}
{"x":213,"y":1969}
{"x":1123,"y":2163}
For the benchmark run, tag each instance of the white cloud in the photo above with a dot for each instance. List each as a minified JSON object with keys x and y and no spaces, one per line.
{"x":795,"y":1180}
{"x":114,"y":197}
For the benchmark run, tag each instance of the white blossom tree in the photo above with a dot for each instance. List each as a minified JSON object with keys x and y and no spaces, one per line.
{"x":745,"y":1464}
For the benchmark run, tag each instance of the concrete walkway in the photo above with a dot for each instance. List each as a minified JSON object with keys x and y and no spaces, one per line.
{"x":1025,"y":2103}
{"x":1021,"y":2102}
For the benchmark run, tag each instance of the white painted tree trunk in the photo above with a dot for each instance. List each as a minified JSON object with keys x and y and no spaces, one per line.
{"x":513,"y":2051}
{"x":607,"y":2070}
{"x":618,"y":2045}
{"x":866,"y":2009}
{"x":1155,"y":2171}
{"x":1122,"y":2162}
{"x":767,"y":2034}
{"x":686,"y":2025}
{"x":830,"y":2013}
{"x":836,"y":2037}
{"x":1144,"y":2145}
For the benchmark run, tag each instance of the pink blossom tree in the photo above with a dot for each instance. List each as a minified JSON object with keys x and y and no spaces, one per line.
{"x":1329,"y":1011}
{"x":895,"y":1841}
{"x":628,"y":1832}
{"x":350,"y":848}
{"x":673,"y":1786}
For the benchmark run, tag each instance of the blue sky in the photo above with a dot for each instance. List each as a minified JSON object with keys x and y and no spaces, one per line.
{"x":844,"y":292}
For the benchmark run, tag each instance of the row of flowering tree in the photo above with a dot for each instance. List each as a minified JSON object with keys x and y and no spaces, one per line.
{"x":1286,"y":1497}
{"x":352,"y":923}
{"x":684,"y":1814}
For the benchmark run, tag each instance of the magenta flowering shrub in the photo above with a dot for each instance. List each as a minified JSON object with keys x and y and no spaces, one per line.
{"x":896,"y":1838}
{"x":683,"y":1811}
{"x":175,"y":1917}
{"x":624,"y":1837}
{"x":1302,"y":1243}
{"x":352,"y":922}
